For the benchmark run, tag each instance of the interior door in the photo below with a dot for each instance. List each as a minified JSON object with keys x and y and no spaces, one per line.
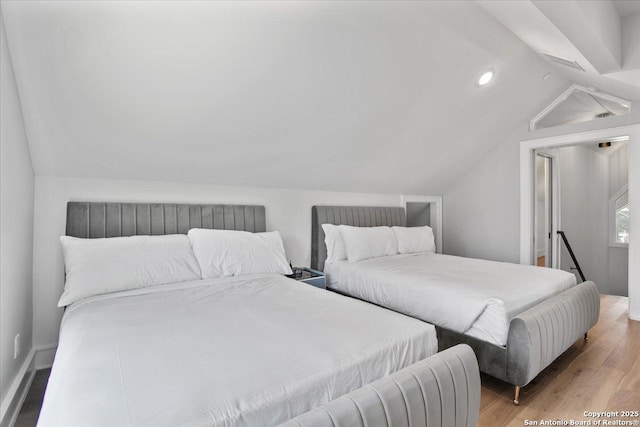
{"x":544,"y":217}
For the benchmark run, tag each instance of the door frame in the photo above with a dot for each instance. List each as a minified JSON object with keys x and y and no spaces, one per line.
{"x":527,"y":163}
{"x":554,"y":155}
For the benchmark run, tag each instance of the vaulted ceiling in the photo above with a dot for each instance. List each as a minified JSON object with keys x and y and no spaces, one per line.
{"x":601,"y":37}
{"x":348,"y":96}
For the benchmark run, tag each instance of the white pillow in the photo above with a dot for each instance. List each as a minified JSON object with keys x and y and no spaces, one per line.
{"x":223,"y":253}
{"x":415,"y":239}
{"x":368,"y":242}
{"x":335,"y":245}
{"x":100,"y":266}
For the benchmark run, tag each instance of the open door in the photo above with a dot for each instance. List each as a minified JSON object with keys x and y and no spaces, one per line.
{"x":544,"y":218}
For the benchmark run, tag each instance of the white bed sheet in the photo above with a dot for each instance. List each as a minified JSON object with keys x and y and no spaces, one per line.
{"x":251,"y":350}
{"x":466,"y":295}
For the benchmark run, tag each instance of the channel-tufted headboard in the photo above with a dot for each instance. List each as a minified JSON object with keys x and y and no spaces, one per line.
{"x":358,"y":216}
{"x":95,"y":220}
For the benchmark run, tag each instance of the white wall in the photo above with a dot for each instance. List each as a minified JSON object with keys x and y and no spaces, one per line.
{"x":619,"y":271}
{"x":481,"y":211}
{"x":16,"y":233}
{"x":288,"y":211}
{"x":584,"y":198}
{"x":618,"y":169}
{"x":630,"y":45}
{"x":541,"y":213}
{"x":618,"y":257}
{"x":634,"y":224}
{"x":482,"y":208}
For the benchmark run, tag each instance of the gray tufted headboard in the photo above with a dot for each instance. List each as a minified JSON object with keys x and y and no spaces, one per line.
{"x":95,"y":220}
{"x":358,"y":216}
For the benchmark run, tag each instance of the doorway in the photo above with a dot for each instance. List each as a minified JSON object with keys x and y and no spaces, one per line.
{"x":543,"y":235}
{"x":528,"y":152}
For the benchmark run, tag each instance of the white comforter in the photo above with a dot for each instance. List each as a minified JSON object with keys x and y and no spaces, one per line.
{"x":466,"y":295}
{"x":253,"y":350}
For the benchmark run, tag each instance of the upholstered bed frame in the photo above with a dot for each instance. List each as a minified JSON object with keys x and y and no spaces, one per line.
{"x":536,"y":337}
{"x":97,"y":220}
{"x":442,"y":390}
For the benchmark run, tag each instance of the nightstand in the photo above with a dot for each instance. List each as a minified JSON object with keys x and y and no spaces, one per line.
{"x":309,"y":276}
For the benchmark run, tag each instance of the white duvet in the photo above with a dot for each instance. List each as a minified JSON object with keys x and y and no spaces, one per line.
{"x":466,"y":295}
{"x":252,"y":350}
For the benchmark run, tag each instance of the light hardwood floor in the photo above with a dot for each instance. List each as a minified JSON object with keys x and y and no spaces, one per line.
{"x":602,"y":374}
{"x":28,"y":415}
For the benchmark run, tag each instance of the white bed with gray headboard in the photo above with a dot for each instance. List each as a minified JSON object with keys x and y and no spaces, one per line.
{"x":255,"y":349}
{"x":517,"y":318}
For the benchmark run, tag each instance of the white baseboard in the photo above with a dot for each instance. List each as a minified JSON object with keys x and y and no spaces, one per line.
{"x":636,"y":318}
{"x":44,"y":355}
{"x":39,"y":357}
{"x":12,"y":402}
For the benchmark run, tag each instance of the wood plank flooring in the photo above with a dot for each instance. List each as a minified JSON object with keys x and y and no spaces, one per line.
{"x":602,"y":374}
{"x":28,"y":415}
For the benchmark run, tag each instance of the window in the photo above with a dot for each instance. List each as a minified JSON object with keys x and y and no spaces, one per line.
{"x":619,"y":207}
{"x":622,"y":219}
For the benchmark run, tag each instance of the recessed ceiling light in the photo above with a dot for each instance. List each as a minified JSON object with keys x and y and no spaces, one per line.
{"x":485,"y":78}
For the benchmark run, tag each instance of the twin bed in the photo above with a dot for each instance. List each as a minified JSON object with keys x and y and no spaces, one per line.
{"x":253,"y":349}
{"x":517,"y":318}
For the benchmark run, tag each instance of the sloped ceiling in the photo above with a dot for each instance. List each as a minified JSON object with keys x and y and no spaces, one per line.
{"x":602,"y":36}
{"x":347,"y":96}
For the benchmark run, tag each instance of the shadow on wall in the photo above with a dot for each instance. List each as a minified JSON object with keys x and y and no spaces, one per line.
{"x":418,"y":214}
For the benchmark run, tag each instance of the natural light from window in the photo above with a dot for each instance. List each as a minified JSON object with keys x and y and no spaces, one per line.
{"x":622,"y":218}
{"x":619,"y":218}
